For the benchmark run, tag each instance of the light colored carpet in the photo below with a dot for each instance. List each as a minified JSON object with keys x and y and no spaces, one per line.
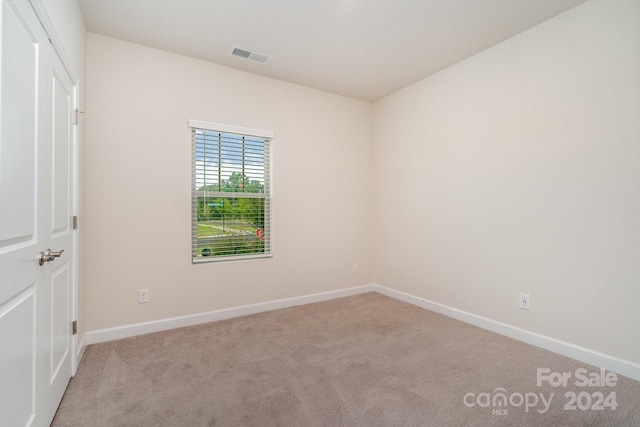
{"x":366,"y":360}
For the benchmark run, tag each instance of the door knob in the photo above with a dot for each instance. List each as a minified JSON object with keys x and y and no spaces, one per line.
{"x":49,"y":255}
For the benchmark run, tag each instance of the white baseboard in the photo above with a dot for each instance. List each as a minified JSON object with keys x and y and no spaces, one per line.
{"x":582,"y":354}
{"x":109,"y":334}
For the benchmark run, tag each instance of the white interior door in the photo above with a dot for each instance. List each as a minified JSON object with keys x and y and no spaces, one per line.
{"x":36,"y":191}
{"x":59,"y":274}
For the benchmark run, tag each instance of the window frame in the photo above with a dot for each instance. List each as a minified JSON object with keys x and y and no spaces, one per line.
{"x":241,"y":131}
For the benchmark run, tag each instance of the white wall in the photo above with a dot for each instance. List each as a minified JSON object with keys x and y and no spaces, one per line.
{"x":518,"y":170}
{"x":139,"y":179}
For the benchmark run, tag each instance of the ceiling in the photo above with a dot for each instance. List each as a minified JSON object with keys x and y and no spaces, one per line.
{"x":364,"y":49}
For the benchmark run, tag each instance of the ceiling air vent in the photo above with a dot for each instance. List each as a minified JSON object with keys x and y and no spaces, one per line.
{"x":251,"y":56}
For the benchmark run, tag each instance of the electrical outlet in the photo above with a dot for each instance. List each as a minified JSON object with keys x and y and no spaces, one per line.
{"x":143,"y":296}
{"x":525,"y":302}
{"x":354,"y":269}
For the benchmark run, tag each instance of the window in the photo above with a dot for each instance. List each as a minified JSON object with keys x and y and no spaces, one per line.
{"x":231,"y":192}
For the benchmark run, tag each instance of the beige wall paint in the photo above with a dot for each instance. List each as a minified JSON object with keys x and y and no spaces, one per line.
{"x":514,"y":171}
{"x":138,"y":178}
{"x":518,"y":170}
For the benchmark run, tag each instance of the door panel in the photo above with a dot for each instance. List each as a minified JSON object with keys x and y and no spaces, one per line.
{"x":60,"y":234}
{"x":59,"y":346}
{"x":18,"y":130}
{"x":61,"y":177}
{"x":18,"y":367}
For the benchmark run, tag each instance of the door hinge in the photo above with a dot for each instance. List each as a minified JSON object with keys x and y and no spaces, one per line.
{"x":76,"y":116}
{"x":75,"y":222}
{"x":74,"y":327}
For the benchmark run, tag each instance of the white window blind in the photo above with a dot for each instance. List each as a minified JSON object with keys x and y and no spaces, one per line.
{"x":231,"y":192}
